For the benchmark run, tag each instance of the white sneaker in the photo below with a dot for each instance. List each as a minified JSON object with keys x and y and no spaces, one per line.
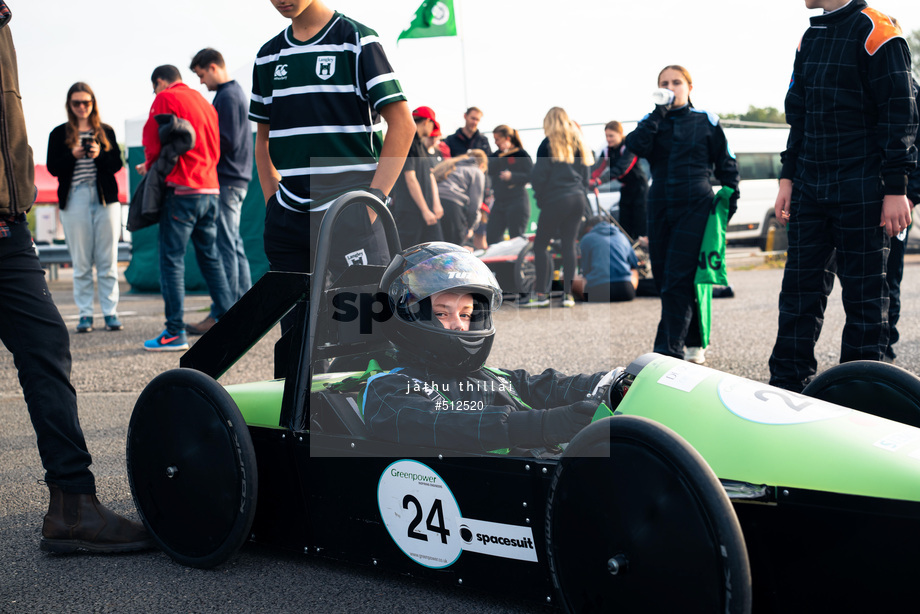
{"x":537,"y":300}
{"x":568,"y":300}
{"x":695,"y":355}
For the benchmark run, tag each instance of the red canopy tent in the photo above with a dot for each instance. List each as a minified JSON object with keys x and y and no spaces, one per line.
{"x":47,"y":185}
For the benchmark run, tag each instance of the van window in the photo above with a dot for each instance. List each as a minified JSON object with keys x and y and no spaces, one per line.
{"x":759,"y":165}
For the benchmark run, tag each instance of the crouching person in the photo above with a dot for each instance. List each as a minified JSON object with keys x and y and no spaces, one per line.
{"x":443,"y":395}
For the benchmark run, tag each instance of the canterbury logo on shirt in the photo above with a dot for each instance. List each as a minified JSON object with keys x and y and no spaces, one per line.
{"x":281,"y":72}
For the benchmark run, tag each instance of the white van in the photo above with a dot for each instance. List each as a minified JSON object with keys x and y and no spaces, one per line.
{"x":758,"y":153}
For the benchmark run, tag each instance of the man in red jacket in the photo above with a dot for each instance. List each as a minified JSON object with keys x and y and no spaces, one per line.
{"x":190,"y":208}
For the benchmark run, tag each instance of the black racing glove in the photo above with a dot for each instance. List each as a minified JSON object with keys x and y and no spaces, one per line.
{"x":732,"y":205}
{"x":661,"y":110}
{"x":560,"y":424}
{"x":547,"y":427}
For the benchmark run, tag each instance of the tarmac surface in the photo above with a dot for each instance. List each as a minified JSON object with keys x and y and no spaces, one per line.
{"x":110,"y":369}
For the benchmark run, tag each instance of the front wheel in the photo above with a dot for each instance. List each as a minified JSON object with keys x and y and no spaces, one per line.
{"x":192,"y":468}
{"x":872,"y":387}
{"x":637,"y":522}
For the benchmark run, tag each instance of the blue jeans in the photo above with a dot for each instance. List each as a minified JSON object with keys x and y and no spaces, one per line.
{"x":190,"y":217}
{"x":230,"y":243}
{"x":92,"y":232}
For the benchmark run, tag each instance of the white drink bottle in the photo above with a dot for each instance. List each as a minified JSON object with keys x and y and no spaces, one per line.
{"x":662,"y":97}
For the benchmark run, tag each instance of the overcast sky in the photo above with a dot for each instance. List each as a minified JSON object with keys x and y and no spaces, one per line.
{"x":516,"y":58}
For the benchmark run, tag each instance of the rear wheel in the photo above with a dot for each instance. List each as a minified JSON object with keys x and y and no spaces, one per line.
{"x":877,"y":388}
{"x":638,"y":522}
{"x":192,"y":468}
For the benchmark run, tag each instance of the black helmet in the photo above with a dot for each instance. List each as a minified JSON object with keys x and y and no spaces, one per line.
{"x":417,"y":273}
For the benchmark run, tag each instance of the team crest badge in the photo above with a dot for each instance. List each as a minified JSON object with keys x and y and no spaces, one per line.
{"x":325,"y":66}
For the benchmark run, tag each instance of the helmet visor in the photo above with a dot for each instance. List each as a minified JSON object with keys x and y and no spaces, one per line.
{"x":446,"y":272}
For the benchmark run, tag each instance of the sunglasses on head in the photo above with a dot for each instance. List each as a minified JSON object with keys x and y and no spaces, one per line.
{"x":81,"y":103}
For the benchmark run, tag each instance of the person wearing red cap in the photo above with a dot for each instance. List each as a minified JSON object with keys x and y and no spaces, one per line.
{"x":437,"y":149}
{"x":416,"y":205}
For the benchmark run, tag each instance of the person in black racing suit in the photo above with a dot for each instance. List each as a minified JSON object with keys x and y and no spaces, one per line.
{"x":617,"y":162}
{"x":896,"y":257}
{"x":682,"y":145}
{"x":442,"y":299}
{"x":853,"y":121}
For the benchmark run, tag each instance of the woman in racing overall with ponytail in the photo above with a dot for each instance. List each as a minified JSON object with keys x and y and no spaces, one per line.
{"x":683,"y":145}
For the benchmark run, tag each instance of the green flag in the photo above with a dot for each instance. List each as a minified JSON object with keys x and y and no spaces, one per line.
{"x":433,"y":18}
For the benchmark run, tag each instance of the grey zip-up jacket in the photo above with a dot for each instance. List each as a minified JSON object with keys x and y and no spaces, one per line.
{"x":465,"y":187}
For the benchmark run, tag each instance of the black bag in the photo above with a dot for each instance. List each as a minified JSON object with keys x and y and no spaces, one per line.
{"x":136,"y":217}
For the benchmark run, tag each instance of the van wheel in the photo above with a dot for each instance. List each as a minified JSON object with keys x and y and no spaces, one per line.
{"x":780,"y":238}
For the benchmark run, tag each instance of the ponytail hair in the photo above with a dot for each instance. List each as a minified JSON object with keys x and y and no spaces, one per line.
{"x":509,"y":133}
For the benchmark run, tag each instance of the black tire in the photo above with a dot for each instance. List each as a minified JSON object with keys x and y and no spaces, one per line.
{"x":192,"y":468}
{"x":780,"y":238}
{"x":877,"y":388}
{"x":525,"y":270}
{"x":637,"y":522}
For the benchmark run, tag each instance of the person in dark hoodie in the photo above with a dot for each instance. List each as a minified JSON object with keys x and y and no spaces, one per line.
{"x":234,"y":172}
{"x":32,"y":329}
{"x":461,"y":186}
{"x":608,"y":263}
{"x":416,"y":205}
{"x":509,"y":169}
{"x":619,"y":163}
{"x":896,"y":257}
{"x":468,"y":137}
{"x":560,"y":182}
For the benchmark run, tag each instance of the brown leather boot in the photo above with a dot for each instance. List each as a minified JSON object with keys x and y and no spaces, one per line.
{"x":202,"y":327}
{"x":80,"y":522}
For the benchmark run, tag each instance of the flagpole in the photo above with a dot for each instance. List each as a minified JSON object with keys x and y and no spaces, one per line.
{"x":460,"y":28}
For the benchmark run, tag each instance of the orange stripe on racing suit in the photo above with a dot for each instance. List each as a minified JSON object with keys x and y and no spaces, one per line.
{"x":883,"y":30}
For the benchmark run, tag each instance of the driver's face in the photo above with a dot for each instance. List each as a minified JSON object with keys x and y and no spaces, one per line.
{"x":453,"y":310}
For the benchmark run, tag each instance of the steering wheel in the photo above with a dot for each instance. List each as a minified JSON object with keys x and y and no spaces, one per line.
{"x":609,"y":390}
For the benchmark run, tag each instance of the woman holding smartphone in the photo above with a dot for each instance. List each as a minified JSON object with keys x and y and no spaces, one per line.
{"x":84,"y":156}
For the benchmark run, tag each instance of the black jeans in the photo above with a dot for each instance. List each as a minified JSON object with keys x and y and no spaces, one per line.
{"x":561,"y":219}
{"x":613,"y":292}
{"x":32,"y":329}
{"x":453,"y":224}
{"x":513,"y":214}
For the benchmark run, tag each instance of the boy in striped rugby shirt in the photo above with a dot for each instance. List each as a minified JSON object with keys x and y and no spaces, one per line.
{"x":319,"y":90}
